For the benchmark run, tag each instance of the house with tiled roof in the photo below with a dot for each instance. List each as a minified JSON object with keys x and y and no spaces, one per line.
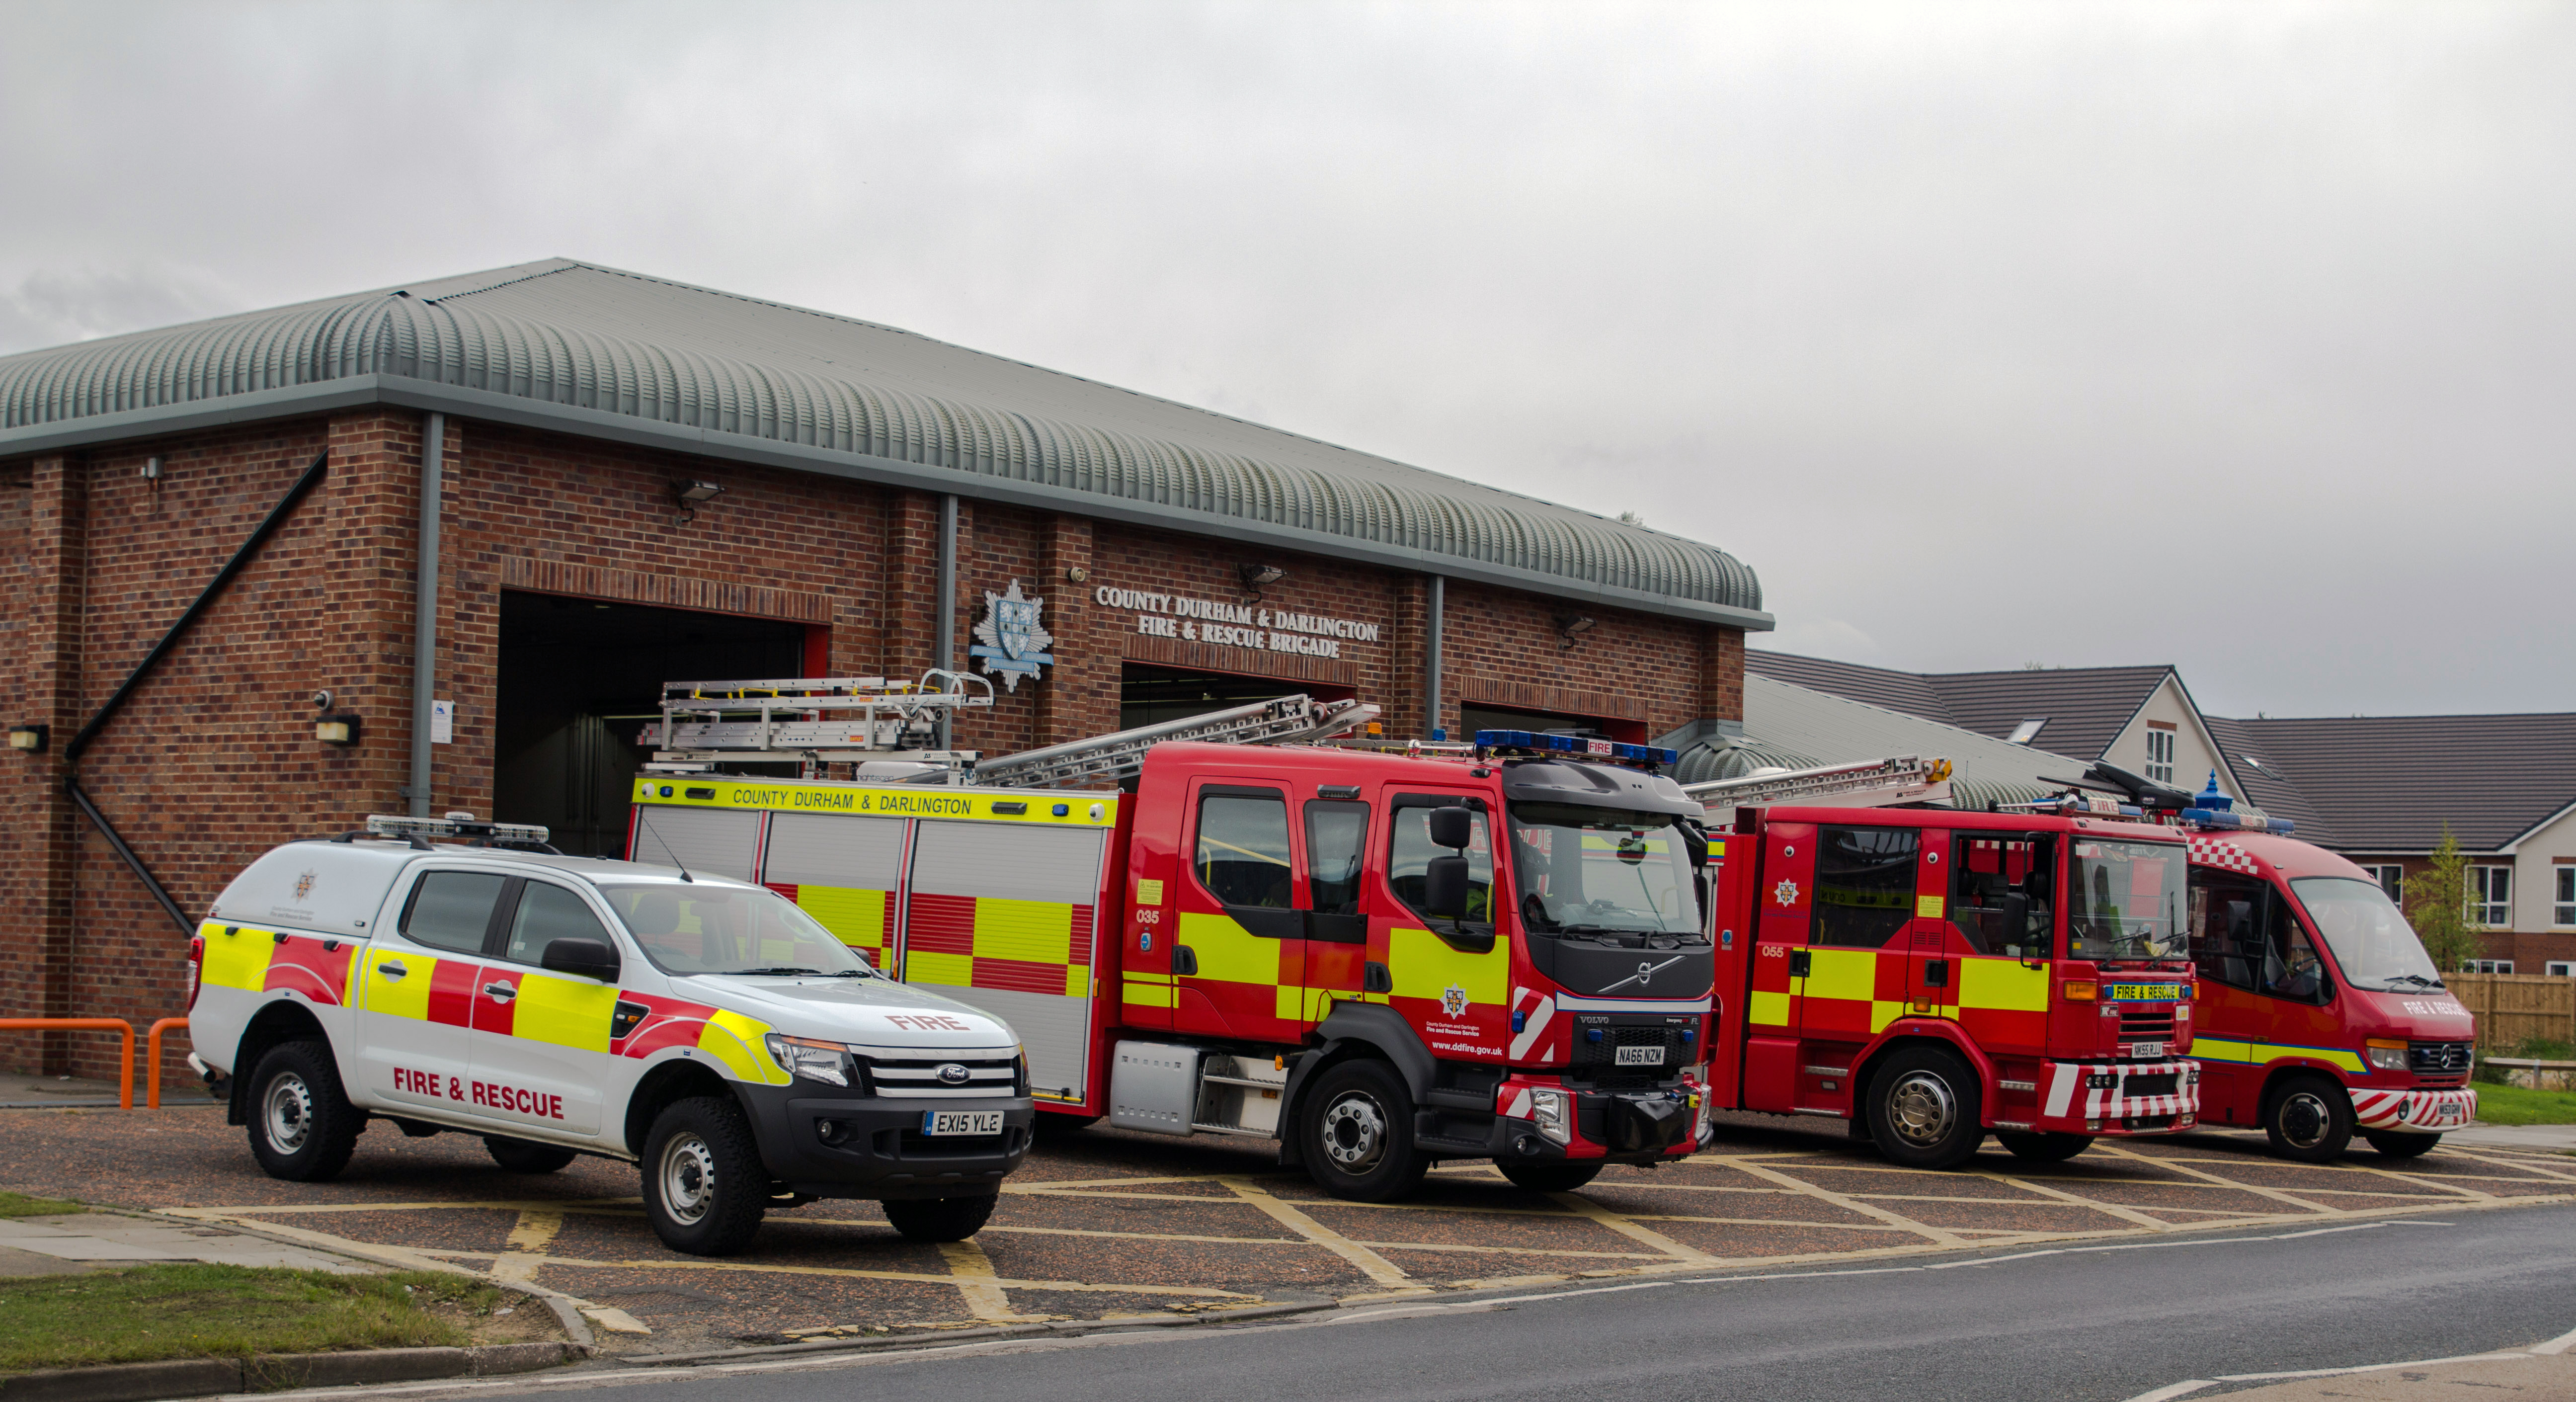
{"x":2380,"y":790}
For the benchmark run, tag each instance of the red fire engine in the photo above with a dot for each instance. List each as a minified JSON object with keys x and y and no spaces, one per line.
{"x":1933,"y":975}
{"x":2320,"y":1013}
{"x":1380,"y":959}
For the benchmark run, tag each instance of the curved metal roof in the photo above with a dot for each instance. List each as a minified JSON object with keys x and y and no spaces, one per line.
{"x":584,"y":349}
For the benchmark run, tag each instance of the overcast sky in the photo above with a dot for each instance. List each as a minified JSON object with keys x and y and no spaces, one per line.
{"x":2235,"y":336}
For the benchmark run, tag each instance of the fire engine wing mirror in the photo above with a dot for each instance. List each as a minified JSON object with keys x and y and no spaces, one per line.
{"x":586,"y":958}
{"x":1695,"y":843}
{"x":1452,"y":827}
{"x":1444,"y":881}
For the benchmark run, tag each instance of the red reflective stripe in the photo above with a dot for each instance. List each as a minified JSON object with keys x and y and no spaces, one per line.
{"x":1081,"y":937}
{"x":303,"y":965}
{"x":1021,"y":974}
{"x":451,"y":992}
{"x":942,"y":924}
{"x":491,"y":1014}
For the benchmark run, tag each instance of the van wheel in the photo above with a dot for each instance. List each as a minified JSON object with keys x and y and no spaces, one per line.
{"x":1923,"y":1109}
{"x":2044,"y":1147}
{"x":2402,"y":1146}
{"x":302,"y":1126}
{"x":526,"y":1155}
{"x":2308,"y":1118}
{"x":940,"y":1219}
{"x":1357,"y":1124}
{"x":1550,"y":1177}
{"x":705,"y":1187}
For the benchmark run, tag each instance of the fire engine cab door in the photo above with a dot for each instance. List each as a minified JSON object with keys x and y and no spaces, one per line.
{"x":1239,"y":957}
{"x":1968,"y":964}
{"x":1782,"y":898}
{"x":540,"y":1039}
{"x":415,"y":989}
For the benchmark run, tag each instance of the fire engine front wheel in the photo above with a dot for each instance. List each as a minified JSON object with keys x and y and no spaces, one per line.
{"x":2043,"y":1148}
{"x":2308,"y":1118}
{"x":1923,"y":1109}
{"x":705,"y":1188}
{"x":940,"y":1219}
{"x":302,"y":1126}
{"x":1358,"y":1126}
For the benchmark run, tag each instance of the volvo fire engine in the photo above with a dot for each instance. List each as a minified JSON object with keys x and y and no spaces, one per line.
{"x":1380,"y":959}
{"x":1932,"y":975}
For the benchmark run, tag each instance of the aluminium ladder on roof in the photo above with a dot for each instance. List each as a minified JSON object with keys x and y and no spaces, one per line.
{"x":1121,"y":754}
{"x":1866,"y":784}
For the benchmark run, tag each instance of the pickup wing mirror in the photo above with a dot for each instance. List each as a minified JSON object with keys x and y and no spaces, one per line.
{"x":1452,"y":827}
{"x":585,"y":958}
{"x":1444,"y":881}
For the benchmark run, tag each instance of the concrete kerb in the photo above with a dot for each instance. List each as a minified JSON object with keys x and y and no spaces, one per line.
{"x":213,"y":1377}
{"x":935,"y":1338}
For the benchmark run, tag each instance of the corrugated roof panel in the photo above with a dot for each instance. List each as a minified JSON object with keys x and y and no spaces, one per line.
{"x":662,"y":353}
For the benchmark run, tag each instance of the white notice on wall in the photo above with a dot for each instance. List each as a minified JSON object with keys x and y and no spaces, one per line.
{"x":442,"y":722}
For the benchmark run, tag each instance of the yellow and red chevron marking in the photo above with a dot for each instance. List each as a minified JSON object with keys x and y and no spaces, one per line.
{"x":271,"y":961}
{"x":861,"y":917}
{"x":986,"y":942}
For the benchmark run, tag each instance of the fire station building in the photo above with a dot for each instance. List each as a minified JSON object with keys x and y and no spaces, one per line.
{"x":438,"y":547}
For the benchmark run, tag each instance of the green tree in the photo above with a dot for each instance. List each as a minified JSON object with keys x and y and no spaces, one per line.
{"x":2437,"y":905}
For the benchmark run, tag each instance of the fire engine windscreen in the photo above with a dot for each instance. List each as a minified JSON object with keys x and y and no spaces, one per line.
{"x":1585,"y":870}
{"x":703,"y":928}
{"x":2125,"y":900}
{"x":2371,"y":940}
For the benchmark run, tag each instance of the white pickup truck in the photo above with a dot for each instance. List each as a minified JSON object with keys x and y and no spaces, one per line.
{"x":701,"y":1027}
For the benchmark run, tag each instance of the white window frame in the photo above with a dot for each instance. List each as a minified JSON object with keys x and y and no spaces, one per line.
{"x":2491,"y":897}
{"x":2560,"y":968}
{"x":2489,"y":966}
{"x":2391,"y":878}
{"x":2562,"y":904}
{"x":2160,"y":754}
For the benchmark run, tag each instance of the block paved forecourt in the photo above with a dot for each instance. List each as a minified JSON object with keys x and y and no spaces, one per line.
{"x":1105,"y":1224}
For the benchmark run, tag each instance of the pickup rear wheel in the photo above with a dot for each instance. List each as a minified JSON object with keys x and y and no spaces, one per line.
{"x":2308,"y":1118}
{"x":1357,"y":1124}
{"x":1550,"y":1177}
{"x":940,"y":1219}
{"x":525,"y":1155}
{"x":2047,"y":1147}
{"x":705,"y":1187}
{"x":1924,"y":1109}
{"x":302,"y":1126}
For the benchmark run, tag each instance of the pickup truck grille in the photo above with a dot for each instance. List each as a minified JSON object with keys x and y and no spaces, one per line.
{"x":2438,"y":1058}
{"x":919,"y":1078}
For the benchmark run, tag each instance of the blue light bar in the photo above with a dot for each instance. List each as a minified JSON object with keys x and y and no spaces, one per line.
{"x":1571,"y":745}
{"x":2211,"y":819}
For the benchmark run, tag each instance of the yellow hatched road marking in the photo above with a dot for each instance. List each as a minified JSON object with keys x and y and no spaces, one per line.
{"x":976,"y":1280}
{"x":1371,"y":1264}
{"x":533,"y":1234}
{"x":2273,"y":1193}
{"x":1592,"y":1211}
{"x":848,"y":1272}
{"x":2125,"y":1214}
{"x":1851,"y":1204}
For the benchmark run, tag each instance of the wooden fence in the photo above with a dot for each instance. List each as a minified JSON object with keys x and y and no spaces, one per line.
{"x":2516,"y":1008}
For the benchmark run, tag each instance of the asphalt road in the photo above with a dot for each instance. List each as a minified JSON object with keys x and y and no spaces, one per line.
{"x":2083,"y":1322}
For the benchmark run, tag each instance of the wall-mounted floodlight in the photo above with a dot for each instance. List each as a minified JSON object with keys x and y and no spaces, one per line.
{"x":689,"y":495}
{"x":30,"y":738}
{"x":1570,"y":626}
{"x":340,"y":728}
{"x":1256,"y":574}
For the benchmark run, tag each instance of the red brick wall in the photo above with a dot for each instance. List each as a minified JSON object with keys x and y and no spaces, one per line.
{"x":215,"y":761}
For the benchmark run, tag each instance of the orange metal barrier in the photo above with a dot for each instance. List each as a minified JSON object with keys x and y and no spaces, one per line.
{"x":125,"y":1082}
{"x":152,"y":1058}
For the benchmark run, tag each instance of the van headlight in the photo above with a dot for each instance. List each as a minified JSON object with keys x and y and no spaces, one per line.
{"x":1553,"y":1112}
{"x":828,"y":1062}
{"x":2384,"y":1055}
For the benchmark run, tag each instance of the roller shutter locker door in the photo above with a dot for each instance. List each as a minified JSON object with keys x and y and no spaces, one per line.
{"x":718,"y":840}
{"x":842,"y":871}
{"x":1003,"y":916}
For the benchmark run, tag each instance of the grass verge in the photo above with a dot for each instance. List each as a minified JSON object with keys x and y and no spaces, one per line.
{"x":21,"y":1205}
{"x":2516,"y":1105}
{"x":193,"y":1310}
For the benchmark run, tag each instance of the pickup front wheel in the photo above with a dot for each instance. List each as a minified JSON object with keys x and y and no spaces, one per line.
{"x":302,"y":1126}
{"x":705,"y":1187}
{"x":939,"y":1219}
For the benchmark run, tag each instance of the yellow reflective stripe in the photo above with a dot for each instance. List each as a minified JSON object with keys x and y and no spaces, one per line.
{"x":1229,"y":952}
{"x":2264,"y":1053}
{"x":1082,"y":810}
{"x":735,"y":1040}
{"x":564,"y":1012}
{"x":407,"y":996}
{"x":856,"y":915}
{"x":2003,"y":984}
{"x":1842,"y":973}
{"x":931,"y":966}
{"x":1147,"y":995}
{"x":1139,"y":976}
{"x":1039,"y":932}
{"x":1768,"y":1009}
{"x":1423,"y":965}
{"x":1881,"y":1014}
{"x":1077,"y":981}
{"x":237,"y":960}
